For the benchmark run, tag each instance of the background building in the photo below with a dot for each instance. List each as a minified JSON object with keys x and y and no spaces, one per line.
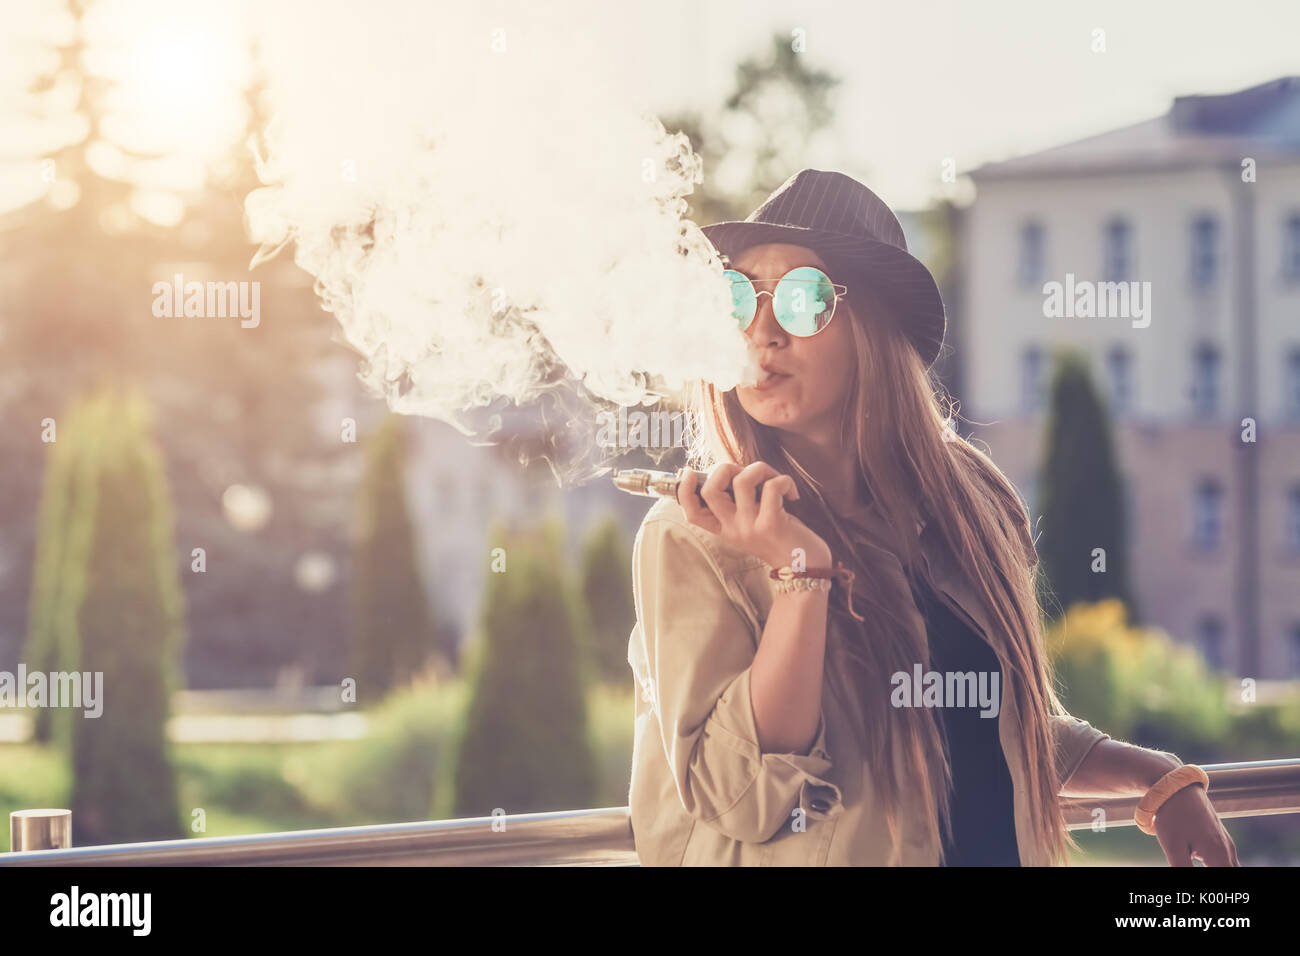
{"x":1202,"y":203}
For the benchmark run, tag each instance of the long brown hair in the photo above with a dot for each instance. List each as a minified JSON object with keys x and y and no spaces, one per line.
{"x":895,"y":418}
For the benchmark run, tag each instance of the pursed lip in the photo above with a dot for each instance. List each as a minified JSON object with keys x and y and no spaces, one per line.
{"x":771,"y":377}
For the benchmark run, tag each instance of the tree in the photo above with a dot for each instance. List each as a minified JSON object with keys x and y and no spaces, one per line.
{"x":525,"y":746}
{"x":75,"y":261}
{"x":607,"y":592}
{"x":233,"y":404}
{"x":778,"y":105}
{"x":1082,"y":547}
{"x":393,"y":639}
{"x":107,"y":601}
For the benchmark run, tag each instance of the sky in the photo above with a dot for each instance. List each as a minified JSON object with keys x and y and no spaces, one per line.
{"x":981,"y":81}
{"x":922,"y":81}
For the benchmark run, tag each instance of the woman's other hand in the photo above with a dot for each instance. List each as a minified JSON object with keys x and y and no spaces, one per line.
{"x":1188,"y":827}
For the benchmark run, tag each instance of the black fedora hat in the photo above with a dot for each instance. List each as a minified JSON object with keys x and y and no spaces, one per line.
{"x":853,"y":231}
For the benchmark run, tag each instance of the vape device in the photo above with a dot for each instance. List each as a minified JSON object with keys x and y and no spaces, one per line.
{"x":661,"y":484}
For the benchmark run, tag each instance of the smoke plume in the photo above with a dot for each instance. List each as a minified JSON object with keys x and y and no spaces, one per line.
{"x":491,"y":213}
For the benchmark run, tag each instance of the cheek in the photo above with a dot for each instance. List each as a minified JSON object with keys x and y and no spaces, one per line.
{"x":834,"y":361}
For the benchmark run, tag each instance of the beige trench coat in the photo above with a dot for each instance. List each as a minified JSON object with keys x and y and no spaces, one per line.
{"x":702,"y":792}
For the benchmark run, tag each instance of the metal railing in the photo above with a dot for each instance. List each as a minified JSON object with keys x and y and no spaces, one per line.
{"x":570,"y":838}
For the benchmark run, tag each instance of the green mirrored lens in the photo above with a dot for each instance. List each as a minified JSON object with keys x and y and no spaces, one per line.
{"x":744,"y":301}
{"x":804,"y":301}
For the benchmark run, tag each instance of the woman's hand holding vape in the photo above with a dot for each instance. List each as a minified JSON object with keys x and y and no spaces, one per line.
{"x":758,"y":524}
{"x":785,"y":689}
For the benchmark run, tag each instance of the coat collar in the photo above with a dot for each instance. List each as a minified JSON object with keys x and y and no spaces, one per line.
{"x":934,"y":552}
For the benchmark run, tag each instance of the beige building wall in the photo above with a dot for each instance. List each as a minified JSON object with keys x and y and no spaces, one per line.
{"x":1164,"y":447}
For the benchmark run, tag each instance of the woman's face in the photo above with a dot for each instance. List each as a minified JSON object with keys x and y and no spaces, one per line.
{"x":815,"y":372}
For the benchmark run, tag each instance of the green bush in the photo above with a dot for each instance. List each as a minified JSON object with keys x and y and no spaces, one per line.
{"x":1136,"y":684}
{"x":389,"y":775}
{"x":252,"y":788}
{"x":1263,"y":732}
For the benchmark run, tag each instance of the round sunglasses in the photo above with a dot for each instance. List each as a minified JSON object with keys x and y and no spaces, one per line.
{"x":803,"y":303}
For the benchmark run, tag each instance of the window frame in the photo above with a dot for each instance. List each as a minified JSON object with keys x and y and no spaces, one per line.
{"x":1121,"y":267}
{"x":1208,"y":488}
{"x":1199,"y":278}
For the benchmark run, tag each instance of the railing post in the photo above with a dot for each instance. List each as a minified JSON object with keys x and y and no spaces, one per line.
{"x":40,"y":830}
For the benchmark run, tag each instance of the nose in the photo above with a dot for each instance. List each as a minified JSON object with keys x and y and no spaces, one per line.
{"x":765,"y":330}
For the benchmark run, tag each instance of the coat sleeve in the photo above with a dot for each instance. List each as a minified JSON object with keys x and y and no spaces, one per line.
{"x":696,"y":652}
{"x":1073,"y":738}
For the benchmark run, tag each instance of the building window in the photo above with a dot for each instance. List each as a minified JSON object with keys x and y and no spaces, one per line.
{"x":1118,"y":257}
{"x":1032,"y":260}
{"x":1206,"y":364}
{"x":1291,"y":249}
{"x":1119,"y":370}
{"x":1205,"y":252}
{"x":1291,"y":382}
{"x":1207,"y":515}
{"x":1032,"y":387}
{"x":1293,"y":520}
{"x":1209,"y":635}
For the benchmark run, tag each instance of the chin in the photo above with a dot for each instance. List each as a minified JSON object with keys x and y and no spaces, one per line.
{"x":772,"y":412}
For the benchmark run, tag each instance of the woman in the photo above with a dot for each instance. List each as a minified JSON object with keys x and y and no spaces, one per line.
{"x":777,"y":722}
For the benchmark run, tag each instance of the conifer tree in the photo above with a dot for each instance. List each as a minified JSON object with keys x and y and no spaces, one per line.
{"x":107,"y":601}
{"x":525,"y":746}
{"x":1081,"y":495}
{"x":393,"y":637}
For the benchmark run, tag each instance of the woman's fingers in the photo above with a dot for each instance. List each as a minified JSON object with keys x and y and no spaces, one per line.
{"x":744,"y":488}
{"x":696,"y":513}
{"x":1177,"y":852}
{"x":1216,"y":850}
{"x":747,"y":516}
{"x":737,"y":508}
{"x":715,"y":494}
{"x":1189,"y":829}
{"x":775,"y":491}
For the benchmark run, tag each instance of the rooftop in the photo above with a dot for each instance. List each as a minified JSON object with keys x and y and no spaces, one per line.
{"x":1199,"y":130}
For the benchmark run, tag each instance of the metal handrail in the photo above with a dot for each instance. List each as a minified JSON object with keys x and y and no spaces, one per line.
{"x":600,"y":837}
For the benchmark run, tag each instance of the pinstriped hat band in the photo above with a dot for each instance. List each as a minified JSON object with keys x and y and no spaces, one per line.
{"x":856,"y":233}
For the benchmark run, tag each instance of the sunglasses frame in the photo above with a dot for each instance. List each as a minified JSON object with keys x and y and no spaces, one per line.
{"x":840,"y":292}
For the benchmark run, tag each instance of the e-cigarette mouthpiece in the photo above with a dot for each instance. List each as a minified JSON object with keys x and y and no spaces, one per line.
{"x":651,"y":484}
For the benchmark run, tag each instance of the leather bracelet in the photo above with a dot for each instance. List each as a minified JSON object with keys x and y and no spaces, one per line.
{"x":1177,"y":779}
{"x":787,"y":579}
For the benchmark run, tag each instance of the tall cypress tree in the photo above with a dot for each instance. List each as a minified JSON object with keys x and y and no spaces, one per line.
{"x":393,"y":637}
{"x":1082,"y":500}
{"x":107,"y":600}
{"x":525,"y":747}
{"x":66,"y":470}
{"x":607,"y":592}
